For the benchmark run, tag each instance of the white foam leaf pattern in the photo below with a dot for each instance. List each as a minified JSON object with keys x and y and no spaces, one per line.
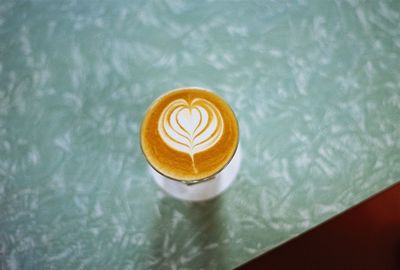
{"x":190,"y":127}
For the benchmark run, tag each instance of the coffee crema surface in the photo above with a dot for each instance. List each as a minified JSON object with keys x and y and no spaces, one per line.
{"x":189,"y":134}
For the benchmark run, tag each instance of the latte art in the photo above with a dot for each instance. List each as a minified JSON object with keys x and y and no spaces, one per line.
{"x":190,"y":128}
{"x":189,"y":134}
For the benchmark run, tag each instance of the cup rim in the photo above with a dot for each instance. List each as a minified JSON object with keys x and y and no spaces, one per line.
{"x":195,"y":181}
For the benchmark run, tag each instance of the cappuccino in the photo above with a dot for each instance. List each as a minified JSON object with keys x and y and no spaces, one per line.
{"x":189,"y":134}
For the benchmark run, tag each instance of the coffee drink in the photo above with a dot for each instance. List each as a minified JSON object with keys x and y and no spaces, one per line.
{"x":189,"y":134}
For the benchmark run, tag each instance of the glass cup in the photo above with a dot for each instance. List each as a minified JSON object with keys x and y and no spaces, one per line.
{"x":199,"y":189}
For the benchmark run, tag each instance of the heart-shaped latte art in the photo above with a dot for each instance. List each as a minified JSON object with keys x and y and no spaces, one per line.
{"x":190,"y":127}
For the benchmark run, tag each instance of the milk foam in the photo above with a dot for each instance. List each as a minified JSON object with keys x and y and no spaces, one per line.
{"x":190,"y":127}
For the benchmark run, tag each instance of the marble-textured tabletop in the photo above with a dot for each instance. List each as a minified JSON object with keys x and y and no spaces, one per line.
{"x":315,"y":86}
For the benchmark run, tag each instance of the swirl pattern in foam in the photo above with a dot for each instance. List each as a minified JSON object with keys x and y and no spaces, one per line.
{"x":191,"y":128}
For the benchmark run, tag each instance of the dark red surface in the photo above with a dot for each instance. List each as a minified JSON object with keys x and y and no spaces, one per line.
{"x":365,"y":237}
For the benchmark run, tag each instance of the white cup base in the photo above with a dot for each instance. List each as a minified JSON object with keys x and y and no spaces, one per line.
{"x":201,"y":191}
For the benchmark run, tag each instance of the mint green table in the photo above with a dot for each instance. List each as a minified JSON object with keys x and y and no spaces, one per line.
{"x":315,"y":85}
